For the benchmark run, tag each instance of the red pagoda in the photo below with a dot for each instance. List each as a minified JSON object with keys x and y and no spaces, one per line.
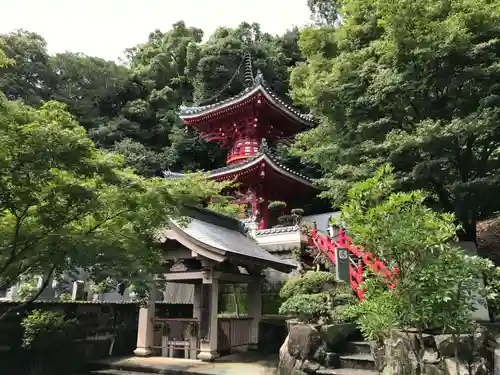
{"x":247,"y":124}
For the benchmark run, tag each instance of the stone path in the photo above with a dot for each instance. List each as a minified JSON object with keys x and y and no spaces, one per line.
{"x":235,"y":364}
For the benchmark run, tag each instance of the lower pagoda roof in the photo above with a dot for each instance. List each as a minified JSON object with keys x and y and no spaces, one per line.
{"x":232,"y":171}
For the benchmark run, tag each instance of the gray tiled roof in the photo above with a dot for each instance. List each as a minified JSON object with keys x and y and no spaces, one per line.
{"x":258,"y":84}
{"x":230,"y":242}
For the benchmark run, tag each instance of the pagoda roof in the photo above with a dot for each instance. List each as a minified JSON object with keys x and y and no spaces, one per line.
{"x":263,"y":156}
{"x":259,"y":85}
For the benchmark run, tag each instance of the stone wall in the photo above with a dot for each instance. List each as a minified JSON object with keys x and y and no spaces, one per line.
{"x":99,"y":320}
{"x":475,"y":354}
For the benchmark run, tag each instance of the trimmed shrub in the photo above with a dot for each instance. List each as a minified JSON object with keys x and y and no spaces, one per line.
{"x":312,"y":282}
{"x":308,"y":308}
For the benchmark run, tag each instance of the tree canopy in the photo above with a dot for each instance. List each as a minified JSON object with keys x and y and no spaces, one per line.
{"x":65,"y":204}
{"x":411,"y":83}
{"x":133,"y":108}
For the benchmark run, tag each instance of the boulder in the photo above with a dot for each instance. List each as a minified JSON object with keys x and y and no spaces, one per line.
{"x":303,"y":341}
{"x":287,"y":363}
{"x":481,"y":344}
{"x":337,"y":334}
{"x":446,"y":346}
{"x":300,"y":352}
{"x":310,"y":367}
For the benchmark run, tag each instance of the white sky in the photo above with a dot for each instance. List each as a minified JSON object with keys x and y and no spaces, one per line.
{"x":105,"y":28}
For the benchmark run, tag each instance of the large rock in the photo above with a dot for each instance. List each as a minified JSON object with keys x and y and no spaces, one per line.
{"x":399,"y":355}
{"x":288,"y":365}
{"x":336,"y":335}
{"x":298,"y":354}
{"x":446,"y":346}
{"x":303,"y":341}
{"x":481,"y":344}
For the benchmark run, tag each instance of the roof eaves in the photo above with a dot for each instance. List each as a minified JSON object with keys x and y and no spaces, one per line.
{"x":259,"y":83}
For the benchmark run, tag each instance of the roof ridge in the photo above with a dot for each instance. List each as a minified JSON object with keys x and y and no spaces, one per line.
{"x":215,"y":218}
{"x":269,"y":153}
{"x":259,"y":81}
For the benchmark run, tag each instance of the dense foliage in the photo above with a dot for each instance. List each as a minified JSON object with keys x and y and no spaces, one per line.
{"x":66,"y":205}
{"x":314,"y":297}
{"x":439,"y":284}
{"x":41,"y":330}
{"x":133,"y":109}
{"x":415,"y":84}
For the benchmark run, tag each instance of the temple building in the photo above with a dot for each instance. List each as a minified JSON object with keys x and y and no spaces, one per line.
{"x":213,"y":249}
{"x":248,"y":125}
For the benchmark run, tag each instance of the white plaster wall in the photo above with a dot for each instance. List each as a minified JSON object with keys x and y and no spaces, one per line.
{"x":278,"y":240}
{"x":481,"y":312}
{"x":320,"y":219}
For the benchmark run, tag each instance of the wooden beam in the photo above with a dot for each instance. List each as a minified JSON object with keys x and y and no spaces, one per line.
{"x":182,"y":276}
{"x":238,"y":278}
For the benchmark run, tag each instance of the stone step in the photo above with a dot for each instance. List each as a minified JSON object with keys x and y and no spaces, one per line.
{"x":345,"y":371}
{"x":357,"y":361}
{"x":358,"y":347}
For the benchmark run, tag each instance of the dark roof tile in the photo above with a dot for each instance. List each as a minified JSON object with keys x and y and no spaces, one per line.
{"x":258,"y":82}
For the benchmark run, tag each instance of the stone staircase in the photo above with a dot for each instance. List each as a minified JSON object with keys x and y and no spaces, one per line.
{"x":356,"y":360}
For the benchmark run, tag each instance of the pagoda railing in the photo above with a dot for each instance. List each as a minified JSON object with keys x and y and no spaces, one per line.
{"x":360,"y":259}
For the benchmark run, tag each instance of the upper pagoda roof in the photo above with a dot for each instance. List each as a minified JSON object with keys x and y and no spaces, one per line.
{"x":264,"y":155}
{"x":259,"y":85}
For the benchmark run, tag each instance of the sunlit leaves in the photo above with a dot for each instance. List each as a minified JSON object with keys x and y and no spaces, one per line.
{"x":412,"y":84}
{"x":66,"y":205}
{"x":439,"y":284}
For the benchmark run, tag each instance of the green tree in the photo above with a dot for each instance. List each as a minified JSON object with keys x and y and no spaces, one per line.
{"x":65,"y":205}
{"x":89,"y":86}
{"x":4,"y":60}
{"x":219,"y":73}
{"x":324,"y":12}
{"x":145,"y":125}
{"x":27,"y":78}
{"x":410,"y":83}
{"x":49,"y":339}
{"x":438,"y":283}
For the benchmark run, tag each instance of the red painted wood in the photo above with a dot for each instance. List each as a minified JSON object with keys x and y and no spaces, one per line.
{"x":328,"y":246}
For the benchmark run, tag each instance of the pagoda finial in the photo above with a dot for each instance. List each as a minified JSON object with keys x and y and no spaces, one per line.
{"x":259,"y":78}
{"x":264,"y":147}
{"x":248,"y":70}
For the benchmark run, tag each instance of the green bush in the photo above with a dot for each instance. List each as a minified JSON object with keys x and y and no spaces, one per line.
{"x":311,"y":282}
{"x":316,"y":297}
{"x":48,"y":339}
{"x":276,"y":205}
{"x":307,"y":308}
{"x":42,"y":329}
{"x":27,"y":289}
